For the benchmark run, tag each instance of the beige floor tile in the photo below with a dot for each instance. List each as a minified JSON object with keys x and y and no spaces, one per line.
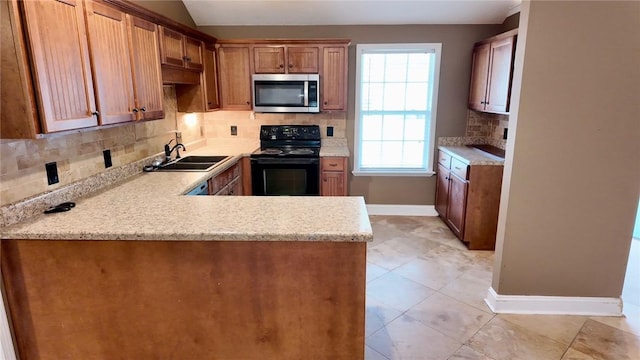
{"x":630,"y":322}
{"x":377,"y":315}
{"x":562,"y":329}
{"x":450,"y":317}
{"x":374,"y":271}
{"x":602,"y":342}
{"x":397,"y":292}
{"x":434,"y":274}
{"x":470,"y":290}
{"x":370,"y":354}
{"x":467,"y":353}
{"x":407,"y":338}
{"x":503,"y":340}
{"x":391,"y":254}
{"x":573,"y":354}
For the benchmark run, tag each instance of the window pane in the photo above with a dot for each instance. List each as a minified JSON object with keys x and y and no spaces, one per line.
{"x":418,"y":67}
{"x":394,"y":97}
{"x":414,"y":127}
{"x":393,"y":127}
{"x":416,"y":97}
{"x":396,"y":68}
{"x":391,"y":154}
{"x":414,"y":154}
{"x":373,"y":69}
{"x":370,"y":153}
{"x":372,"y":127}
{"x":372,"y":96}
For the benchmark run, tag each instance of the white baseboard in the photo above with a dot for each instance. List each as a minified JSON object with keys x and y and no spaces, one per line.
{"x":401,"y":210}
{"x":553,"y":305}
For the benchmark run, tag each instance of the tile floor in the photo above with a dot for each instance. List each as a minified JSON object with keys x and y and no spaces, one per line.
{"x":425,"y":294}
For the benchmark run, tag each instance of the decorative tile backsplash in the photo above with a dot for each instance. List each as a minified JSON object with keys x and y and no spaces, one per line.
{"x":489,"y":126}
{"x":217,"y":124}
{"x":79,"y":155}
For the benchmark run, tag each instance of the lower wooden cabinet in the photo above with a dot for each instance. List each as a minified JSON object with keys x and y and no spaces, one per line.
{"x":229,"y":182}
{"x":468,"y":200}
{"x":333,"y":176}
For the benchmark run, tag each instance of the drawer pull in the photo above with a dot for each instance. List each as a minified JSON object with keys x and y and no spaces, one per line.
{"x":334,"y":164}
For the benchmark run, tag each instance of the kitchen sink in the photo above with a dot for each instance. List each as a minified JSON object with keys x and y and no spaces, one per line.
{"x":202,"y":159}
{"x":193,"y":163}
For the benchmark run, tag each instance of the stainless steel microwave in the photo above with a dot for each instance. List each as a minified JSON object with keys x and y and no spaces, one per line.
{"x":286,"y":93}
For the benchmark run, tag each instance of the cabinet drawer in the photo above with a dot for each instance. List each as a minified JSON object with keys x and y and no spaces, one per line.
{"x":459,"y":168}
{"x":333,"y":164}
{"x":444,"y":159}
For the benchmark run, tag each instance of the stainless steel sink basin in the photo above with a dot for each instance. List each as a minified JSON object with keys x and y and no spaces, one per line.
{"x":193,"y":163}
{"x":202,"y":159}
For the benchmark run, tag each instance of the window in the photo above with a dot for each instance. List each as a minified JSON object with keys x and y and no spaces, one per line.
{"x":396,"y":96}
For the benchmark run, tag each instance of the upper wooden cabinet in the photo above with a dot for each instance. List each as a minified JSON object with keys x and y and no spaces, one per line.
{"x":491,"y":73}
{"x":126,"y":66}
{"x":212,"y":96}
{"x":239,"y":59}
{"x":235,"y":77}
{"x":147,"y":77}
{"x":202,"y":96}
{"x":333,"y":78}
{"x":72,"y":64}
{"x":60,"y":63}
{"x":285,"y":59}
{"x":180,"y":50}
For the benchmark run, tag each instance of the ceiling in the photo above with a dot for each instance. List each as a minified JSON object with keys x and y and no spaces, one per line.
{"x":354,"y":12}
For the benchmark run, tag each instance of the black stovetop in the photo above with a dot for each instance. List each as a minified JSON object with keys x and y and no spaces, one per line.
{"x":280,"y":141}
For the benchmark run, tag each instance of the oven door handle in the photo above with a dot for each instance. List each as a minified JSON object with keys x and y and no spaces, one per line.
{"x":285,"y":161}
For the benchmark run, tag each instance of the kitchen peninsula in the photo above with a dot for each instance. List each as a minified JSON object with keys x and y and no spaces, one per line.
{"x":138,"y":270}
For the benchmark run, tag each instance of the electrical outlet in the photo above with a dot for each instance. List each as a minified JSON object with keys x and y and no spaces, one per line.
{"x":178,"y":137}
{"x":329,"y":130}
{"x":52,"y":173}
{"x":234,"y":130}
{"x":107,"y":158}
{"x":504,"y":135}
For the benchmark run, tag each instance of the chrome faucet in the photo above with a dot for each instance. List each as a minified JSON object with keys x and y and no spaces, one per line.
{"x":168,"y":150}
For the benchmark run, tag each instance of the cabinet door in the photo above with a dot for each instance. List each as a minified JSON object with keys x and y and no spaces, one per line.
{"x":193,"y":53}
{"x":334,"y":78}
{"x":268,"y":60}
{"x":61,"y":67}
{"x":211,"y":79}
{"x":172,"y":47}
{"x":498,"y":87}
{"x":235,"y":187}
{"x":442,"y":191}
{"x":109,"y":46}
{"x":302,"y":60}
{"x":147,"y":76}
{"x":479,"y":72}
{"x":457,"y":204}
{"x":333,"y":183}
{"x":235,"y":78}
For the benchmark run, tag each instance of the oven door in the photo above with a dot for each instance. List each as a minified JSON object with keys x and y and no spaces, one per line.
{"x":285,"y":176}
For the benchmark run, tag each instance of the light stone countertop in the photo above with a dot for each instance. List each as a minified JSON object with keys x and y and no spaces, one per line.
{"x":472,"y":156}
{"x":150,"y":206}
{"x":334,"y":147}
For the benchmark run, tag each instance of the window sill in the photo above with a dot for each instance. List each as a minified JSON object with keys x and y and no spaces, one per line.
{"x":393,"y":173}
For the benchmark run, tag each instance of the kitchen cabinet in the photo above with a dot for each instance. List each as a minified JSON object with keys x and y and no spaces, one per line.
{"x":285,"y":59}
{"x":229,"y":182}
{"x":63,"y":83}
{"x":203,"y":95}
{"x":239,"y":59}
{"x":333,"y":176}
{"x":333,"y":78}
{"x":180,"y":50}
{"x":492,"y":72}
{"x":117,"y":67}
{"x":467,"y":200}
{"x":235,"y":77}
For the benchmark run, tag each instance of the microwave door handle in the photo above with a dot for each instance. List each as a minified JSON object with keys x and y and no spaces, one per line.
{"x":306,"y":93}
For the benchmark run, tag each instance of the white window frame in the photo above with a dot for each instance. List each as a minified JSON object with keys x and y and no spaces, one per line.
{"x":430,"y":142}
